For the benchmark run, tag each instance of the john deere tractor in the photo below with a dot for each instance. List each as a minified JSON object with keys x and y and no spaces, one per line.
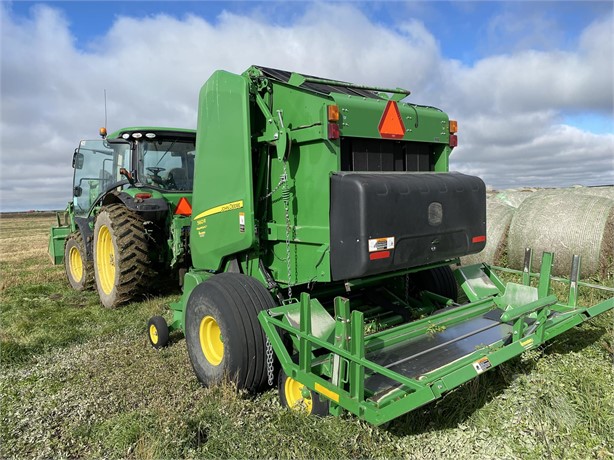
{"x":128,"y":220}
{"x":325,"y":222}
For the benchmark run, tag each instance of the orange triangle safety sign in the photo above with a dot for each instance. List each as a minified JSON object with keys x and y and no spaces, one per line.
{"x":184,"y":208}
{"x":391,"y":125}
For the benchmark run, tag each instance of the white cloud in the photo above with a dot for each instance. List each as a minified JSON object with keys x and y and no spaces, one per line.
{"x":508,"y":105}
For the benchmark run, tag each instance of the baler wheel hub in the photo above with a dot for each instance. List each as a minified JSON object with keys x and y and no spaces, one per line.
{"x":211,"y":340}
{"x":153,"y":334}
{"x":298,"y":396}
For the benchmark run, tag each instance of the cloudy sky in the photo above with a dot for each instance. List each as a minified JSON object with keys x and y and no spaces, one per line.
{"x":531,"y":83}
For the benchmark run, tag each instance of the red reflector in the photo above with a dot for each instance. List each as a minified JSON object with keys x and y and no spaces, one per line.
{"x":478,"y":239}
{"x":391,"y":125}
{"x":333,"y":131}
{"x":184,"y":208}
{"x":453,"y":140}
{"x":143,"y":196}
{"x":379,"y":255}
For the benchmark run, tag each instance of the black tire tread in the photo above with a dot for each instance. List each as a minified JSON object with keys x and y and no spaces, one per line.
{"x":439,"y":280}
{"x":88,"y":265}
{"x":133,"y":263}
{"x":240,"y":298}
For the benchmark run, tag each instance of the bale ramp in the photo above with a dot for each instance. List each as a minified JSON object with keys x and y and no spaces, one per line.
{"x":565,"y":224}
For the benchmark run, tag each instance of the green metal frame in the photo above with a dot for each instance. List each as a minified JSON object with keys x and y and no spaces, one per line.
{"x":339,"y":368}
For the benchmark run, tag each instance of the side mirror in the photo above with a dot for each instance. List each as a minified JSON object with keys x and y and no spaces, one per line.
{"x":77,"y":160}
{"x":77,"y":191}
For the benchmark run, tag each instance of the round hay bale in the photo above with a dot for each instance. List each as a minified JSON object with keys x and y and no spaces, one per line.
{"x":513,"y":198}
{"x":498,"y":219}
{"x":604,"y":192}
{"x":565,"y":225}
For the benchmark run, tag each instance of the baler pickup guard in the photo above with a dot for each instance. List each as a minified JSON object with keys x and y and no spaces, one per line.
{"x":382,"y":375}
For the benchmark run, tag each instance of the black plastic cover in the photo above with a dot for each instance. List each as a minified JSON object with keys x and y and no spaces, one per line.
{"x":381,"y":222}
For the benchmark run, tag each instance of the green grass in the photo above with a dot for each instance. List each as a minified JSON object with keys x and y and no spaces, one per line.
{"x":78,"y":380}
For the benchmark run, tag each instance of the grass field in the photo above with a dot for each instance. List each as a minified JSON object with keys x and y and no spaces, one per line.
{"x":78,"y":380}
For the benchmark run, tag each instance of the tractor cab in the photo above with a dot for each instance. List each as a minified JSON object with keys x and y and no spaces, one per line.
{"x":160,"y":159}
{"x":97,"y":165}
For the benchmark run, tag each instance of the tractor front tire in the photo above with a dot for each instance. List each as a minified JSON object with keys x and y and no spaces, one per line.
{"x":223,"y":335}
{"x":121,"y":255}
{"x":79,"y":270}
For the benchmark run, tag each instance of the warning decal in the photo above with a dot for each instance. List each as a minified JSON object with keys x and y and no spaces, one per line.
{"x":242,"y":222}
{"x":482,"y":364}
{"x":381,"y":244}
{"x":391,"y":124}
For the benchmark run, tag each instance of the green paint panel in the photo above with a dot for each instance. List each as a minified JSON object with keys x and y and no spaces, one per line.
{"x":222,"y":208}
{"x":360,"y":117}
{"x":57,"y":240}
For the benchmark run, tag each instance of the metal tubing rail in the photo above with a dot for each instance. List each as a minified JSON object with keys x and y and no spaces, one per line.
{"x":554,"y":278}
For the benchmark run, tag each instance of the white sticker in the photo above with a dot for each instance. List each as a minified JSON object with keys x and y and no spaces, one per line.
{"x":242,"y":222}
{"x":381,"y":244}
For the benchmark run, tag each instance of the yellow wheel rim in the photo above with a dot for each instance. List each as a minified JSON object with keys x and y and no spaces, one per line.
{"x":153,"y":334}
{"x":211,"y":340}
{"x":105,"y":259}
{"x":295,"y":393}
{"x":75,"y":264}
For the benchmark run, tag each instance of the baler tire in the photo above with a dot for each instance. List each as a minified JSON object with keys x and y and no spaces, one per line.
{"x":122,"y":267}
{"x":157,"y":331}
{"x":439,"y":280}
{"x":290,"y":396}
{"x":79,"y":270}
{"x":223,"y":335}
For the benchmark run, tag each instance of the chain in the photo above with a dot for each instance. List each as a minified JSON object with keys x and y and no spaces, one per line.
{"x":269,"y":362}
{"x":285,"y":195}
{"x":282,"y":180}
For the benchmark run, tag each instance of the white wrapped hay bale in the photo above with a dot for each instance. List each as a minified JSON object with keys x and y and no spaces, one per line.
{"x":498,"y":219}
{"x":565,"y":224}
{"x":604,"y":192}
{"x":513,"y":198}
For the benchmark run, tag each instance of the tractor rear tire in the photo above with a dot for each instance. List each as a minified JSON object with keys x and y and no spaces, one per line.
{"x":223,"y":335}
{"x":439,"y":280}
{"x":121,"y":255}
{"x":297,"y":397}
{"x":79,"y":270}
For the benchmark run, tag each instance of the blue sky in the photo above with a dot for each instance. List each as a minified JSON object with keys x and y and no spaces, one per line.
{"x":465,"y":30}
{"x":528,"y":81}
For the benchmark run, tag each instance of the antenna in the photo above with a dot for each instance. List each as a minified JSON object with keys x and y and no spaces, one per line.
{"x":105,"y":108}
{"x":103,"y":130}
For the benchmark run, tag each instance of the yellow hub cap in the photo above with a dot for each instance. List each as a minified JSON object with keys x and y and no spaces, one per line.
{"x":153,"y":334}
{"x":211,"y":340}
{"x":105,"y":259}
{"x":75,"y":264}
{"x":296,"y":396}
